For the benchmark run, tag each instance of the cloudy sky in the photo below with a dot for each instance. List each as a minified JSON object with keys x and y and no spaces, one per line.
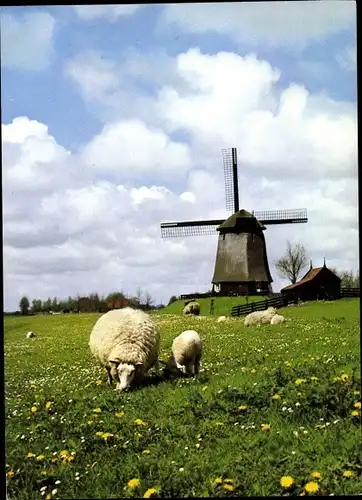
{"x":113,"y":120}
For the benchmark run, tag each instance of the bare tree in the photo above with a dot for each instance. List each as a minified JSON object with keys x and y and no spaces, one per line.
{"x":148,"y":300}
{"x":291,"y":264}
{"x":139,"y":294}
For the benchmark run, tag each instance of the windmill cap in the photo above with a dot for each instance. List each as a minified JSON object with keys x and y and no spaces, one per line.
{"x":243,"y":220}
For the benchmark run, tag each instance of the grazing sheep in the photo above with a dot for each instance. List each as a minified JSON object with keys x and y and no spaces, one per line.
{"x":30,"y":335}
{"x":126,"y":342}
{"x":186,"y":354}
{"x":222,"y":318}
{"x":277,"y":319}
{"x":260,"y":317}
{"x":192,"y":308}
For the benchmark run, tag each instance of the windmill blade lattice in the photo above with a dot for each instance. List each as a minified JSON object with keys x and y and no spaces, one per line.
{"x":231,"y":179}
{"x":189,"y":228}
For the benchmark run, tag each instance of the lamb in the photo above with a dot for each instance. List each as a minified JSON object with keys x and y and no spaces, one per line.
{"x":192,"y":308}
{"x":30,"y":335}
{"x":126,"y":342}
{"x":222,"y":318}
{"x":277,"y":319}
{"x":260,"y":317}
{"x":186,"y":354}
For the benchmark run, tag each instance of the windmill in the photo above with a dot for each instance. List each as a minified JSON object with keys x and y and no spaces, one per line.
{"x":241,"y":265}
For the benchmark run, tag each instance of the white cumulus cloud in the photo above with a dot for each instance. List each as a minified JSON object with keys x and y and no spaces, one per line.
{"x":110,"y":12}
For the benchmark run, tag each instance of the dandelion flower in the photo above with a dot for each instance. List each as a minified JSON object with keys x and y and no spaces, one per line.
{"x":344,"y":377}
{"x":300,"y":381}
{"x":99,"y":382}
{"x":97,"y":410}
{"x":40,"y":458}
{"x":146,"y":452}
{"x":48,"y":404}
{"x":90,"y":422}
{"x":243,"y":407}
{"x":34,"y":409}
{"x":100,"y":434}
{"x":11,"y":474}
{"x":228,"y":487}
{"x":357,"y":405}
{"x":286,"y":481}
{"x":311,"y":487}
{"x":139,"y":421}
{"x":314,"y":378}
{"x":134,"y":483}
{"x":316,"y":475}
{"x":150,"y":493}
{"x":218,"y":480}
{"x":30,"y":454}
{"x":119,"y":414}
{"x":355,"y":413}
{"x":265,"y":427}
{"x":348,"y":473}
{"x":219,"y":424}
{"x":276,"y":396}
{"x":228,"y":481}
{"x":48,"y":497}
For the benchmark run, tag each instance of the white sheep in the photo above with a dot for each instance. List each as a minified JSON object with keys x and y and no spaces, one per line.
{"x":221,"y":318}
{"x":186,"y":353}
{"x":127,"y":343}
{"x":260,"y":317}
{"x":277,"y":319}
{"x":192,"y":308}
{"x":30,"y":335}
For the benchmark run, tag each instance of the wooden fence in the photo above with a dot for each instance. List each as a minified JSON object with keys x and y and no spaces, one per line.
{"x":350,"y":292}
{"x":261,"y":305}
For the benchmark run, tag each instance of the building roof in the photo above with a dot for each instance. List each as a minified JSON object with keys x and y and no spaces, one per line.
{"x":311,"y":274}
{"x":241,"y":221}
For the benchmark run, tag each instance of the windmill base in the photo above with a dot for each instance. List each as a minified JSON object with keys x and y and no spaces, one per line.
{"x":241,"y":289}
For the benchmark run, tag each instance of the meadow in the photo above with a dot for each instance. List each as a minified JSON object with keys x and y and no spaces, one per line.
{"x":275,"y":410}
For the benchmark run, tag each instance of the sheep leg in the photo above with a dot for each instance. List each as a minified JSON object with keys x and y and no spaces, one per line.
{"x":197,"y":365}
{"x":110,"y":380}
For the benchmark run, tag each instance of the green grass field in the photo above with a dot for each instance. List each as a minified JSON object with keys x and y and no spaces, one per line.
{"x":270,"y":402}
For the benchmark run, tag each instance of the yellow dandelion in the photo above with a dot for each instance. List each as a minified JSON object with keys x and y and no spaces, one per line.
{"x":138,"y":435}
{"x":300,"y":381}
{"x":34,"y":409}
{"x":287,"y":363}
{"x":336,"y":379}
{"x":357,"y":405}
{"x":30,"y":454}
{"x":139,"y":421}
{"x":314,"y":378}
{"x":11,"y":474}
{"x":265,"y":427}
{"x":276,"y":396}
{"x":119,"y":414}
{"x":146,"y":452}
{"x":355,"y":393}
{"x":90,"y":422}
{"x":107,"y":435}
{"x":70,"y":458}
{"x":100,"y":434}
{"x":344,"y":377}
{"x":348,"y":473}
{"x":150,"y":493}
{"x":40,"y":458}
{"x":134,"y":483}
{"x":97,"y":410}
{"x":64,"y":454}
{"x":219,"y":424}
{"x":311,"y":487}
{"x":316,"y":475}
{"x":286,"y":481}
{"x":355,"y":413}
{"x":243,"y":407}
{"x":218,"y":480}
{"x":228,"y":481}
{"x":48,"y":404}
{"x":48,"y":497}
{"x":228,"y":487}
{"x":54,"y":460}
{"x":99,"y":382}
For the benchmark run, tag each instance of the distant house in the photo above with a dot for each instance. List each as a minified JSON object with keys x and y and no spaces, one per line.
{"x":117,"y":303}
{"x":319,"y":283}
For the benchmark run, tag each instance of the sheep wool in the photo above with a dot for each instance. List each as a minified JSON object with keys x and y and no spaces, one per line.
{"x":192,"y":308}
{"x":186,"y":353}
{"x":260,"y":317}
{"x":277,"y":319}
{"x":126,"y":342}
{"x":221,"y":318}
{"x":30,"y":335}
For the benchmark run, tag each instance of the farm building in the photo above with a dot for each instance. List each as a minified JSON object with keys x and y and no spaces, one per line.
{"x":318,"y":284}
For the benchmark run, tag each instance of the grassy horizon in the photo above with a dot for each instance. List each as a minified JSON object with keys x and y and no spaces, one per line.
{"x":270,"y":401}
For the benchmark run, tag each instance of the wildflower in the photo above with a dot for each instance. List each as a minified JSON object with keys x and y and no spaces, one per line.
{"x":55,"y":491}
{"x":218,"y":480}
{"x":138,"y":421}
{"x":48,"y":404}
{"x":265,"y":427}
{"x":355,"y":413}
{"x":228,"y":481}
{"x":97,"y":410}
{"x":314,"y":378}
{"x":316,"y":475}
{"x":219,"y":424}
{"x":34,"y":409}
{"x":48,"y":497}
{"x":99,"y":382}
{"x":119,"y":414}
{"x":204,"y":388}
{"x":348,"y":473}
{"x":311,"y":487}
{"x":276,"y":396}
{"x":150,"y":493}
{"x":133,"y":483}
{"x":228,"y":487}
{"x":90,"y":422}
{"x":40,"y":458}
{"x":286,"y":481}
{"x":243,"y":407}
{"x":146,"y":452}
{"x":100,"y":434}
{"x":357,"y":405}
{"x":344,"y":377}
{"x":30,"y":454}
{"x":11,"y":474}
{"x":300,"y":381}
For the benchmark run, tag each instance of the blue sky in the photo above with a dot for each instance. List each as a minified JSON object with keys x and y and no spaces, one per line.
{"x":141,"y":64}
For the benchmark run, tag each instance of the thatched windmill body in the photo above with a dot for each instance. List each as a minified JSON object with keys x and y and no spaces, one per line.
{"x":241,"y":265}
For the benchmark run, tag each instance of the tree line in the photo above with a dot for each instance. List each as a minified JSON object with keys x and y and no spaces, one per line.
{"x":89,"y":303}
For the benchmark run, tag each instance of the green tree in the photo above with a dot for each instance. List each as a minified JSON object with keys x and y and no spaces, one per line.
{"x":24,"y":305}
{"x":172,"y":299}
{"x":293,"y":261}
